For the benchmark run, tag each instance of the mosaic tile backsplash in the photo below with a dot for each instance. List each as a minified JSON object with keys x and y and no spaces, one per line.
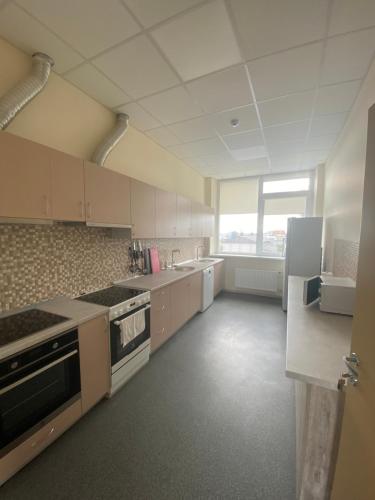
{"x":39,"y":262}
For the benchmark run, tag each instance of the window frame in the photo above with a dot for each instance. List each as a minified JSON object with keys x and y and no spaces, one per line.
{"x":262,"y":197}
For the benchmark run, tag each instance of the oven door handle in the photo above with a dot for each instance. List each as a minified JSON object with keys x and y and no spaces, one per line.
{"x":37,"y":372}
{"x":118,"y":323}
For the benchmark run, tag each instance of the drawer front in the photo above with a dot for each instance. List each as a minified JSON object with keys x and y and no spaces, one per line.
{"x":32,"y":446}
{"x":160,"y":330}
{"x":160,"y":299}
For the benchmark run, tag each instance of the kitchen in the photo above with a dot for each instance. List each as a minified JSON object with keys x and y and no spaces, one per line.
{"x":147,"y":257}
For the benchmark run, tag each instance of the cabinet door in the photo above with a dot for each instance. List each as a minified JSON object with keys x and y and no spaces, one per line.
{"x":218,"y":277}
{"x":160,"y":317}
{"x":67,"y":187}
{"x":142,"y":210}
{"x":107,"y":196}
{"x":195,"y":293}
{"x":179,"y":303}
{"x":94,"y":360}
{"x":165,"y":214}
{"x":25,"y":174}
{"x":197,"y":219}
{"x":184,"y":229}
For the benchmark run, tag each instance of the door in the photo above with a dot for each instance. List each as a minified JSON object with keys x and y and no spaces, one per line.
{"x":165,"y":214}
{"x":179,"y":303}
{"x":195,"y":293}
{"x":94,"y":360}
{"x":67,"y":187}
{"x":142,"y":210}
{"x":184,"y":229}
{"x":107,"y":196}
{"x":354,"y":476}
{"x":25,"y":172}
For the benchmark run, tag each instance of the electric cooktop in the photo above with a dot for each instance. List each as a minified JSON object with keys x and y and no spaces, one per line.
{"x":110,"y":296}
{"x":17,"y":326}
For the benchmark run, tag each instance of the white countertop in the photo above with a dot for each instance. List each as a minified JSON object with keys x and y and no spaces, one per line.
{"x":166,"y":277}
{"x":316,"y":341}
{"x":77,"y":311}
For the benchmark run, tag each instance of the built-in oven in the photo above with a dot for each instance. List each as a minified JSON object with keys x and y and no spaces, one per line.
{"x":35,"y":385}
{"x":121,"y":353}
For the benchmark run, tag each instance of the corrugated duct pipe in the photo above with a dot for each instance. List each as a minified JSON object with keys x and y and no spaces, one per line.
{"x":16,"y":99}
{"x":103,"y":150}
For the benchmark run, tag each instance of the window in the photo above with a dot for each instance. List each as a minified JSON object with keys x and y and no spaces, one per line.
{"x":254,"y":212}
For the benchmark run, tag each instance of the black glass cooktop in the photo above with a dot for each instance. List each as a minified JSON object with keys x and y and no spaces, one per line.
{"x":25,"y":323}
{"x":110,"y":296}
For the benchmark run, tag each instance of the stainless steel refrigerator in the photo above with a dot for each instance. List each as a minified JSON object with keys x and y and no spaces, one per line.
{"x":303,"y":254}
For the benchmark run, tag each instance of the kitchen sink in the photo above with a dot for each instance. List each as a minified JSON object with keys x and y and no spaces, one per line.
{"x":184,"y":268}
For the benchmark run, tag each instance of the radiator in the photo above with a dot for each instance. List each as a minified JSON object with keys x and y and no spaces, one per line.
{"x":254,"y":279}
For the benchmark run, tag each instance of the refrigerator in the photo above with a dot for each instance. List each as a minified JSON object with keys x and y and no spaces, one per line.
{"x":303,"y":253}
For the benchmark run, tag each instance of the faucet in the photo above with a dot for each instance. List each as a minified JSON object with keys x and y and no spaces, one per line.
{"x":197,"y":251}
{"x":176,"y":250}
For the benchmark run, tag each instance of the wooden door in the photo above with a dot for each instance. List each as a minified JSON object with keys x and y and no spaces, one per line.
{"x":67,"y":187}
{"x":195,"y":293}
{"x":94,"y":361}
{"x":107,"y":196}
{"x":184,"y":229}
{"x":179,"y":303}
{"x":142,"y":210}
{"x":355,"y":470}
{"x":25,"y":173}
{"x":165,"y":214}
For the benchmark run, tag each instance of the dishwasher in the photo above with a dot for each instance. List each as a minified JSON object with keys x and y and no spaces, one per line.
{"x":208,"y":288}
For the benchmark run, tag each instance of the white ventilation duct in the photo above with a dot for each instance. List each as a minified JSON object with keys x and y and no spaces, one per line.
{"x":16,"y":99}
{"x":103,"y":150}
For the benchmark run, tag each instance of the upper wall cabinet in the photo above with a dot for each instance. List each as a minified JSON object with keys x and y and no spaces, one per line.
{"x":165,"y":214}
{"x":107,"y":196}
{"x":183,"y":216}
{"x":142,"y":210}
{"x":67,"y":188}
{"x":25,"y":178}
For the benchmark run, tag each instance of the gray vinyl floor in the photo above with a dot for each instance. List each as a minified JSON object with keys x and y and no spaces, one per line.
{"x":210,"y":417}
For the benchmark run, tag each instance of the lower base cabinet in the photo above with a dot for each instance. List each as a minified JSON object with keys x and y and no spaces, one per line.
{"x":218,"y":277}
{"x":17,"y":458}
{"x":172,"y":306}
{"x":94,"y":356}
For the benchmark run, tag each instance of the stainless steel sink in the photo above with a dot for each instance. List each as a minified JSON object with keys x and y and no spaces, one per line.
{"x":184,"y":268}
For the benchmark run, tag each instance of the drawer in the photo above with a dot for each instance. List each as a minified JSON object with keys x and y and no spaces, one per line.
{"x":32,"y":446}
{"x":160,"y":299}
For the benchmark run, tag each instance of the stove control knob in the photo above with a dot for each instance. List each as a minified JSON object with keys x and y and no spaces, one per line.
{"x":55,"y":345}
{"x":14,"y":365}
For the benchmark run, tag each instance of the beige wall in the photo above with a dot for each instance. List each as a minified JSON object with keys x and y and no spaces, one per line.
{"x":65,"y":118}
{"x":344,"y":178}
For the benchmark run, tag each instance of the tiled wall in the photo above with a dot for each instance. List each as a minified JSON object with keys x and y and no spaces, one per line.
{"x":38,"y":262}
{"x":345,"y":258}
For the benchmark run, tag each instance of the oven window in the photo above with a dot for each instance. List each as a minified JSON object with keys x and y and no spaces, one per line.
{"x":24,"y":405}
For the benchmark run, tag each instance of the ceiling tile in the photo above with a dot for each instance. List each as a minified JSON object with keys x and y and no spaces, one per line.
{"x":270,"y":26}
{"x":193,"y":130}
{"x":249,"y":153}
{"x":286,"y":109}
{"x":286,"y":72}
{"x":328,"y":124}
{"x":218,"y":160}
{"x":285,"y":162}
{"x":295,"y":131}
{"x":347,"y":57}
{"x":90,"y":26}
{"x":171,"y":106}
{"x":137,"y":67}
{"x":30,"y":36}
{"x":321,"y":142}
{"x":96,"y":85}
{"x":349,"y":16}
{"x":200,"y":41}
{"x":311,"y":159}
{"x":163,"y":136}
{"x":336,"y":98}
{"x":244,"y":139}
{"x":283,"y":148}
{"x":199,"y":148}
{"x":138,"y":117}
{"x":224,"y":90}
{"x":247,"y":117}
{"x":150,"y":12}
